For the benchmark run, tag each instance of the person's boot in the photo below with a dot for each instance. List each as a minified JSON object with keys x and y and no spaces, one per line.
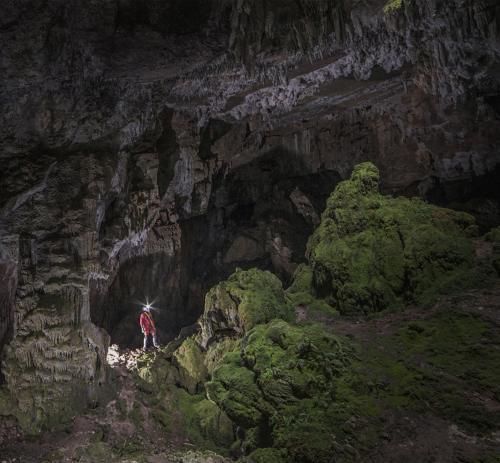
{"x":155,"y":342}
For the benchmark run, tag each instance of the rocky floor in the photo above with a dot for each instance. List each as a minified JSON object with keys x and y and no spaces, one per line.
{"x":124,"y":429}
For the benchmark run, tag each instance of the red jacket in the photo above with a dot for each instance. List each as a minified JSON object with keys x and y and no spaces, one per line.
{"x":147,"y":323}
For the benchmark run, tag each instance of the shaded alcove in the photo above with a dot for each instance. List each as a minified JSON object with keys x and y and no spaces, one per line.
{"x":145,"y":278}
{"x":250,"y":206}
{"x":257,"y":213}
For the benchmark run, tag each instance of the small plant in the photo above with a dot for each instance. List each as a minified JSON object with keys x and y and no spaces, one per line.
{"x":392,"y":6}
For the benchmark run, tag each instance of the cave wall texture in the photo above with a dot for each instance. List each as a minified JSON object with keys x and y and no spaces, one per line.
{"x":147,"y":149}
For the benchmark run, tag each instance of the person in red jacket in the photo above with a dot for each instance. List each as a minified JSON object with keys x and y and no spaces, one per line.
{"x":148,"y":326}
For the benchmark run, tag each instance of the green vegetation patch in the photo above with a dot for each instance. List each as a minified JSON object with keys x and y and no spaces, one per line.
{"x":279,"y":387}
{"x":392,"y":6}
{"x":190,"y":361}
{"x":373,"y":252}
{"x":493,"y":235}
{"x":204,"y":423}
{"x":440,"y":366}
{"x":300,"y":293}
{"x":245,"y":299}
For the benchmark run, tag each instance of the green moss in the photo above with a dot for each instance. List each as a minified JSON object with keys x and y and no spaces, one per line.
{"x":214,"y":424}
{"x":216,"y":352}
{"x":130,"y":448}
{"x":282,"y":374}
{"x":135,"y":415}
{"x":204,"y":423}
{"x":392,"y":6}
{"x":190,"y":361}
{"x":456,"y":346}
{"x":310,"y":432}
{"x":267,"y":455}
{"x":300,"y":293}
{"x":163,"y":417}
{"x":156,"y":372}
{"x":373,"y":252}
{"x":233,"y":388}
{"x":302,"y":280}
{"x":493,"y":235}
{"x":247,"y":298}
{"x":436,"y":365}
{"x":315,"y":397}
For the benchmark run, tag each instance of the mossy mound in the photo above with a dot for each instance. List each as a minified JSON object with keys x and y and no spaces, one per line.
{"x":215,"y":353}
{"x":300,"y":293}
{"x":245,"y":299}
{"x":155,"y":372}
{"x":373,"y":252}
{"x":282,"y":376}
{"x":493,"y":235}
{"x":304,"y":395}
{"x":198,"y":420}
{"x":203,"y":422}
{"x":190,"y":361}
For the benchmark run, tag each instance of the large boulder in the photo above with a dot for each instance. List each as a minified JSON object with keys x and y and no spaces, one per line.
{"x":282,"y":373}
{"x":245,"y":299}
{"x":373,"y":251}
{"x":190,"y":361}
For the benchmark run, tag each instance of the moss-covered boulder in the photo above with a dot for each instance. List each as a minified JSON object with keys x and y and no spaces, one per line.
{"x":155,"y":371}
{"x":201,"y":421}
{"x":301,"y":294}
{"x":214,"y":355}
{"x":372,"y":251}
{"x":245,"y":299}
{"x":493,"y":235}
{"x":234,"y":389}
{"x":190,"y":361}
{"x":282,"y":373}
{"x":214,"y":424}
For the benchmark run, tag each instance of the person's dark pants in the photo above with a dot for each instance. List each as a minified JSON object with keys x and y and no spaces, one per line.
{"x":146,"y":336}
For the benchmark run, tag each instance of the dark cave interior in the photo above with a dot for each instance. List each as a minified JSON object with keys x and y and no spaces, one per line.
{"x":257,"y":219}
{"x":306,"y":191}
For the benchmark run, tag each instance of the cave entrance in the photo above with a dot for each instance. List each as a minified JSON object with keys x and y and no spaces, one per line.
{"x":157,"y":278}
